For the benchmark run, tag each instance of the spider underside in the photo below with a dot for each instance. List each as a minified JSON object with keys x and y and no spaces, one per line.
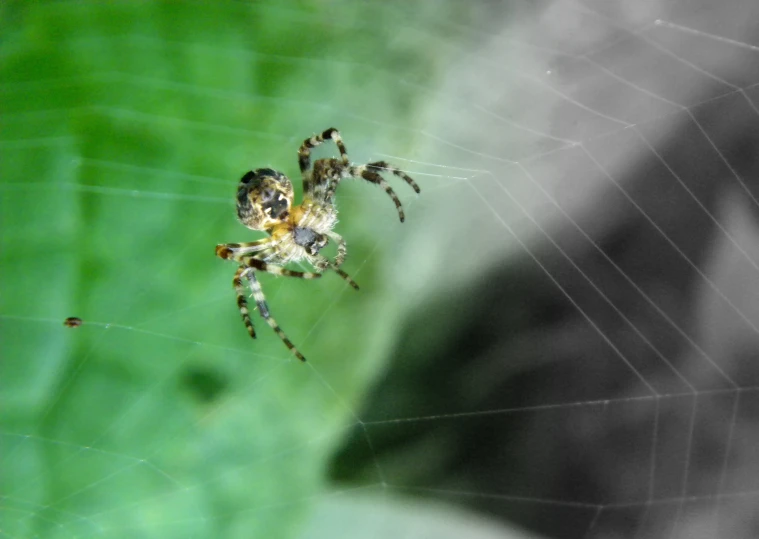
{"x":296,"y":233}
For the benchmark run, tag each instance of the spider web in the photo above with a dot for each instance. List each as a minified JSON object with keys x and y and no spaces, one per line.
{"x":560,"y":340}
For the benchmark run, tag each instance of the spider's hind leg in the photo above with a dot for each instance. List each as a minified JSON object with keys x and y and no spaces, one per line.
{"x":304,"y":154}
{"x":242,"y":303}
{"x":363,"y":171}
{"x":383,"y":165}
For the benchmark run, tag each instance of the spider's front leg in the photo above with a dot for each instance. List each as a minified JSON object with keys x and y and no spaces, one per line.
{"x":242,"y":302}
{"x":248,"y":265}
{"x":241,"y":253}
{"x":263,"y":309}
{"x":256,"y":263}
{"x":235,"y":251}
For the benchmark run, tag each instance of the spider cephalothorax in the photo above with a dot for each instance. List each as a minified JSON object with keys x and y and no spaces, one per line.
{"x":296,"y":233}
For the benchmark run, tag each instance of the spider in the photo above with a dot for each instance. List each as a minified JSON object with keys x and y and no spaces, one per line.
{"x":296,"y":233}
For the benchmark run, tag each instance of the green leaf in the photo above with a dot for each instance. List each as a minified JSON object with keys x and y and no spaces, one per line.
{"x":125,"y":129}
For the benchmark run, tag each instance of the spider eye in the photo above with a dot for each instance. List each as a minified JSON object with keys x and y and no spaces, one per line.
{"x":267,"y":195}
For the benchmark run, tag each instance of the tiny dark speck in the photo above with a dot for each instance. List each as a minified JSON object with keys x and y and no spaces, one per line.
{"x":72,"y":322}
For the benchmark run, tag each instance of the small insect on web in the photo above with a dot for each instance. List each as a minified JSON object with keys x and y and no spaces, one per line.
{"x":296,"y":233}
{"x":73,"y":322}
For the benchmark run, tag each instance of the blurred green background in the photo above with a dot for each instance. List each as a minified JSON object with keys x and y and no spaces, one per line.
{"x":125,"y":128}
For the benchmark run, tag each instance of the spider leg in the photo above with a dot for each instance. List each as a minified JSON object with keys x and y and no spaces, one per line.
{"x":254,"y":263}
{"x":321,"y":263}
{"x":242,"y":303}
{"x":341,"y":248}
{"x":346,"y":277}
{"x":363,"y":171}
{"x":234,"y":251}
{"x":263,"y":309}
{"x":304,"y":154}
{"x":383,"y":165}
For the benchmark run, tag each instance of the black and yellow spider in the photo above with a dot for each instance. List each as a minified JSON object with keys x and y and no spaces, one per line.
{"x":296,"y":233}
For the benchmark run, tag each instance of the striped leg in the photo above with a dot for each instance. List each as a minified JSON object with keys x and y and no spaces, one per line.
{"x":371,"y":176}
{"x":382,"y":165}
{"x":321,"y":263}
{"x":304,"y":154}
{"x":346,"y":277}
{"x":325,"y":177}
{"x":255,"y":263}
{"x":242,"y":303}
{"x":341,"y":248}
{"x":263,"y":308}
{"x":234,"y":251}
